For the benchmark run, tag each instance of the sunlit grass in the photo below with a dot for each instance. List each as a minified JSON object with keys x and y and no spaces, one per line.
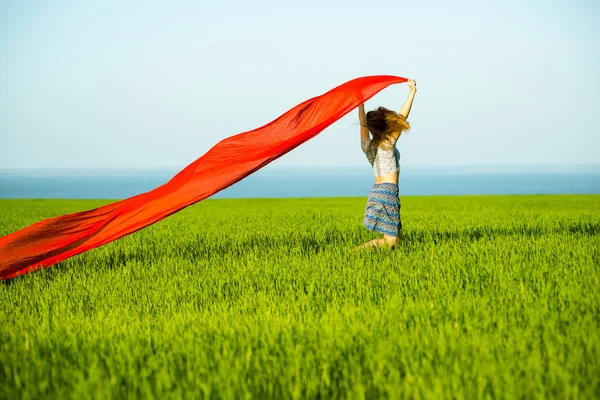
{"x":492,"y":296}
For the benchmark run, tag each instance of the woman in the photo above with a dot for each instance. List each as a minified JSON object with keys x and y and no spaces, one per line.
{"x":382,"y":213}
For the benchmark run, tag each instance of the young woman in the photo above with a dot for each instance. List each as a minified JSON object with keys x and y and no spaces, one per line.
{"x":382,"y":213}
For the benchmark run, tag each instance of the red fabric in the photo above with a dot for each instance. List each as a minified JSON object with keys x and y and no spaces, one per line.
{"x":52,"y":240}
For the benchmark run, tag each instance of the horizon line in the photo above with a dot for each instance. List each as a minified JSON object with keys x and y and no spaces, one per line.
{"x":177,"y":168}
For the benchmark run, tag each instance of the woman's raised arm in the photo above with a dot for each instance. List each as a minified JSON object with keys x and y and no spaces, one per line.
{"x":408,"y":103}
{"x":364,"y":132}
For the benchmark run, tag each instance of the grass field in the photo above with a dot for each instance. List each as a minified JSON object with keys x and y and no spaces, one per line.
{"x":488,"y":297}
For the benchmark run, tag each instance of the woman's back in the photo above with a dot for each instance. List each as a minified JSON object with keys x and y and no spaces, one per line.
{"x":384,"y":161}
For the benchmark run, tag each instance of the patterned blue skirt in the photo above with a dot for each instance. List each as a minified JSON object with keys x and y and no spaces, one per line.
{"x":382,"y":213}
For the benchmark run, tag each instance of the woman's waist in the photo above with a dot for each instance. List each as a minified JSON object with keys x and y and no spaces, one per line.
{"x":391,"y":178}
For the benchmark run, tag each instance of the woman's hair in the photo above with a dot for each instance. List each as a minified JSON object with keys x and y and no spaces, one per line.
{"x":382,"y":123}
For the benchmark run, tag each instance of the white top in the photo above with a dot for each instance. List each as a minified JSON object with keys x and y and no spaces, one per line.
{"x":383,"y":161}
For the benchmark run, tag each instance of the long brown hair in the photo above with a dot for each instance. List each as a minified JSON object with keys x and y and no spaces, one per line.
{"x":382,"y":123}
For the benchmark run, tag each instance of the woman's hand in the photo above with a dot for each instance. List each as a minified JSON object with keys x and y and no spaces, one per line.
{"x":412,"y":84}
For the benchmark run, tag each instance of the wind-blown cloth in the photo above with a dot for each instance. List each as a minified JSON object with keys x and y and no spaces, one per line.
{"x":52,"y":240}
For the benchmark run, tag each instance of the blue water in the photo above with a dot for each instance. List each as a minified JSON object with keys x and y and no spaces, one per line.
{"x":309,"y":182}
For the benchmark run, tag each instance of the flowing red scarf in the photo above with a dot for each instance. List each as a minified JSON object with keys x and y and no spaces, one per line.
{"x":50,"y":241}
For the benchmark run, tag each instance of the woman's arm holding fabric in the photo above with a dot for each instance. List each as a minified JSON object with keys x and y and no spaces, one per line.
{"x":408,"y":103}
{"x":364,"y":132}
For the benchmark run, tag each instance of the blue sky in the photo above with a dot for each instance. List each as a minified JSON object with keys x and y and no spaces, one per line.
{"x":155,"y":84}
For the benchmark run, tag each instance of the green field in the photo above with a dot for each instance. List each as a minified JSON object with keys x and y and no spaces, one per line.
{"x":488,"y":297}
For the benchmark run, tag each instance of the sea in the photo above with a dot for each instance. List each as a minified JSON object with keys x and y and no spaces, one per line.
{"x":299,"y":182}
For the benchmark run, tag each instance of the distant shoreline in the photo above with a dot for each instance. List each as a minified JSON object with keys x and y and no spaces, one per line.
{"x":212,"y":198}
{"x":326,"y":169}
{"x":306,"y":183}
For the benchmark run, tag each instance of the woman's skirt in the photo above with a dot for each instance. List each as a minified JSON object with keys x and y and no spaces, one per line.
{"x":382,"y":213}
